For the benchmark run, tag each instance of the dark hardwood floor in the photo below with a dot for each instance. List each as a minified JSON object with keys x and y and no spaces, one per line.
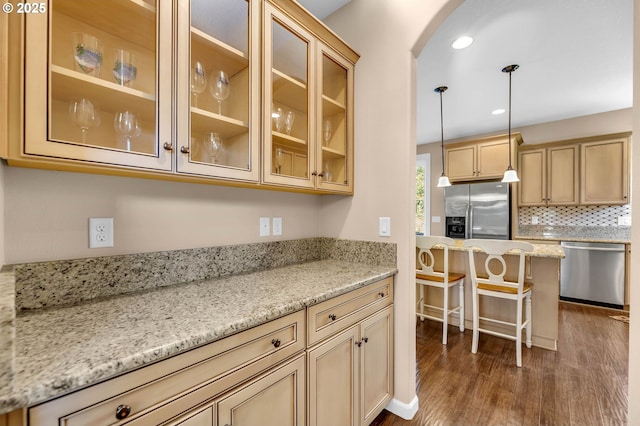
{"x":583,"y":383}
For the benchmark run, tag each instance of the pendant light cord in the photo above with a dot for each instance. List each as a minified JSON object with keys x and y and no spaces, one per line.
{"x":441,"y":132}
{"x":510,"y":168}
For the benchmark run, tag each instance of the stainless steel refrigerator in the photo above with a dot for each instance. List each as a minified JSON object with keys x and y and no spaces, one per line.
{"x":478,"y":210}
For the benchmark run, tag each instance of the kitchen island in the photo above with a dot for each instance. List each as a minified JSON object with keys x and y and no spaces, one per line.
{"x":61,"y":349}
{"x":542,"y":269}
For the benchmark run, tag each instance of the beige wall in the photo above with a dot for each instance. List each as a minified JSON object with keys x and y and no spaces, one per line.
{"x":47,"y":214}
{"x":634,"y":330}
{"x":590,"y":125}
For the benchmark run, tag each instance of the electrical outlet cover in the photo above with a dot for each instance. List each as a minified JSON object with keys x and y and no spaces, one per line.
{"x":265,"y":228}
{"x":100,"y":232}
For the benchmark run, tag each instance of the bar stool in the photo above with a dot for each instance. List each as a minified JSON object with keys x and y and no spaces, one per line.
{"x":426,"y":275}
{"x":495,"y":285}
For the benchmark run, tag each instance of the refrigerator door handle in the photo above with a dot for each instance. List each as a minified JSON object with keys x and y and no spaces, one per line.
{"x":467,"y":222}
{"x":470,"y":220}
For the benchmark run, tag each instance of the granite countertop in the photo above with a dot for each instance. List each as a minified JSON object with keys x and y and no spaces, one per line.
{"x":590,"y":234}
{"x":539,"y":250}
{"x":61,"y":349}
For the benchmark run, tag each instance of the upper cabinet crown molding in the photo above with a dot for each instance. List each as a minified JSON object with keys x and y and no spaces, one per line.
{"x":81,"y":114}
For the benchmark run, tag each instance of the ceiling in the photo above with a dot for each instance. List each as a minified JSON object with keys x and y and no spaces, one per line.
{"x":575,"y":59}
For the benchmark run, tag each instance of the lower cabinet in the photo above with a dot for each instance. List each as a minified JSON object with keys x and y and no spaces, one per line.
{"x":350,"y":375}
{"x":261,"y":376}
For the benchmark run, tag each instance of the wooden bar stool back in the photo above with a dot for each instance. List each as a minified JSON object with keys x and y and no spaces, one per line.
{"x":495,"y":285}
{"x":428,"y":276}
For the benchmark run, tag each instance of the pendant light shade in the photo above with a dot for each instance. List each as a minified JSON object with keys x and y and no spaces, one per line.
{"x":444,"y":180}
{"x":510,"y":175}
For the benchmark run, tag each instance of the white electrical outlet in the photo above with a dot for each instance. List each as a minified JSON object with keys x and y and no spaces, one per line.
{"x":100,"y":232}
{"x":534,"y":220}
{"x":384,"y":227}
{"x":277,"y":226}
{"x":624,"y":220}
{"x":265,"y":229}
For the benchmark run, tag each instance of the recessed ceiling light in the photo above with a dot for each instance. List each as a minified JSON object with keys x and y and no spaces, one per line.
{"x":498,"y":111}
{"x":462,"y":42}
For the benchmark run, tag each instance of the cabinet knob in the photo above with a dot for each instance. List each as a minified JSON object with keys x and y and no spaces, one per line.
{"x":381,"y":294}
{"x":359,"y":343}
{"x":314,"y":174}
{"x":332,"y":317}
{"x":321,"y":174}
{"x":365,"y":339}
{"x":122,"y":411}
{"x":276,"y":343}
{"x":184,"y":149}
{"x":168,"y":146}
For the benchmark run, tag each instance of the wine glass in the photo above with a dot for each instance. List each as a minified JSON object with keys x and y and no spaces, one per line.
{"x":213,"y":142}
{"x":279,"y":160}
{"x":126,"y":124}
{"x":87,"y":52}
{"x":124,"y":67}
{"x":220,"y":88}
{"x":198,"y":81}
{"x":84,"y":114}
{"x":278,"y":119}
{"x":288,"y":122}
{"x":328,"y":177}
{"x":326,"y":132}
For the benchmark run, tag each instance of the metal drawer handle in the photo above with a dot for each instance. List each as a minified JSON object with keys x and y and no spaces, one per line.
{"x":122,"y":411}
{"x":276,"y":342}
{"x":332,"y":317}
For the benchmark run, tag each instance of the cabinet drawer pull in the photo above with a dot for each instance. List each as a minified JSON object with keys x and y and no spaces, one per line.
{"x":122,"y":411}
{"x":321,"y":174}
{"x":365,"y":339}
{"x":332,"y":317}
{"x":381,"y":294}
{"x":184,"y":149}
{"x":276,"y":343}
{"x":359,"y":343}
{"x":314,"y":174}
{"x":168,"y":146}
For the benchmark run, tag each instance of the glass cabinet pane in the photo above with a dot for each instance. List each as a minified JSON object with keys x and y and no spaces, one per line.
{"x":220,"y":84}
{"x":333,"y":122}
{"x":289,"y":110}
{"x":102,"y":89}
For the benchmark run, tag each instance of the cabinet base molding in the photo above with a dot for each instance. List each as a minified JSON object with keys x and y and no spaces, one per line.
{"x":402,"y":409}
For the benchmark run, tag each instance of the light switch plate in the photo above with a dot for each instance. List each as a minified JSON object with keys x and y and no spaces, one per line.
{"x":435,"y":219}
{"x":534,"y":220}
{"x":100,"y":232}
{"x":277,"y":226}
{"x":385,"y":227}
{"x":265,"y":228}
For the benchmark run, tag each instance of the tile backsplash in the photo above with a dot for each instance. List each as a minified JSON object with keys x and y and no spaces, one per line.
{"x":573,"y":215}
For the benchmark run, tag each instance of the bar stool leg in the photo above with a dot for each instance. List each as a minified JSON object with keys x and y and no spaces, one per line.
{"x":519,"y":333}
{"x":476,"y":321}
{"x":528,"y":313}
{"x":421,"y":302}
{"x":461,"y":298}
{"x":445,"y":314}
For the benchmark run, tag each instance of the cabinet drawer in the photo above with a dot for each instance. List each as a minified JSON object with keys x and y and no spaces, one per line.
{"x":202,"y":373}
{"x":331,"y":316}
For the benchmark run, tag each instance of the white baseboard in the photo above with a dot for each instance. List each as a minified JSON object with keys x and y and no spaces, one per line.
{"x":406,"y":411}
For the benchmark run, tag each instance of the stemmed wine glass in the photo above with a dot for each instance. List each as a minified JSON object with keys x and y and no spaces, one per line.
{"x":198,"y":81}
{"x":326,"y":132}
{"x":288,"y":122}
{"x":84,"y":114}
{"x":220,"y":88}
{"x":213,"y":142}
{"x":277,"y":116}
{"x":126,"y":124}
{"x":279,"y":160}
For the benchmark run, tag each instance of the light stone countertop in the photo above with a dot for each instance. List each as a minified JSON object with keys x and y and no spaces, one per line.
{"x":58,"y":350}
{"x":539,"y":250}
{"x":589,"y":234}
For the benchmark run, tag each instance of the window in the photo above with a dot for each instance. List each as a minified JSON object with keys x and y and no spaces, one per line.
{"x":423,"y":182}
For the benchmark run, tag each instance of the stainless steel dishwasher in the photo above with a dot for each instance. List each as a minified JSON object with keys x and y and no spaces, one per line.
{"x":593,"y":273}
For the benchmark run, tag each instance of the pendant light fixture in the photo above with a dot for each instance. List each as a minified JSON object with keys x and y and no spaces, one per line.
{"x":510,"y":175}
{"x":444,"y":180}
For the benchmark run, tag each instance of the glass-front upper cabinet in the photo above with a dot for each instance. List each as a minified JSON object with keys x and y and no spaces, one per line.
{"x":335,"y":121}
{"x":289,"y":153}
{"x":218,"y":88}
{"x":93,"y":70}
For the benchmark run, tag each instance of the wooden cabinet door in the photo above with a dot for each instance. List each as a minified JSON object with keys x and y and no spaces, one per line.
{"x":289,"y":100}
{"x":201,"y":418}
{"x":461,"y":163}
{"x":97,"y":92}
{"x":275,"y":399}
{"x":562,"y":175}
{"x":604,"y":172}
{"x":533,"y":183}
{"x":492,"y":159}
{"x":376,"y":364}
{"x":218,"y":88}
{"x":333,"y":380}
